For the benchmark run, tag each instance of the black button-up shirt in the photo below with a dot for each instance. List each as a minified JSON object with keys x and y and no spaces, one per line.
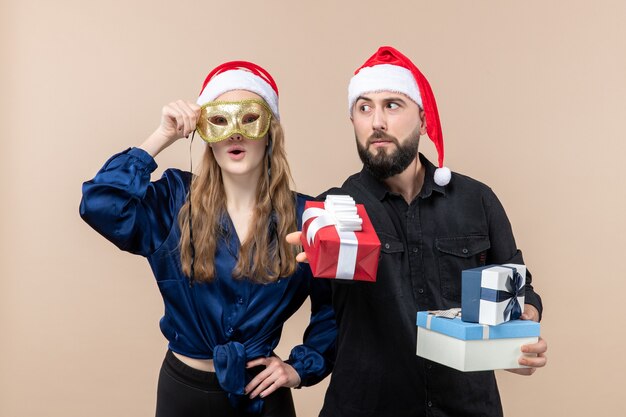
{"x":425,"y":246}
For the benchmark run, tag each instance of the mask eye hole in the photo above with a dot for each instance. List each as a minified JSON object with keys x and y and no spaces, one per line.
{"x":218,"y":120}
{"x":249,"y":118}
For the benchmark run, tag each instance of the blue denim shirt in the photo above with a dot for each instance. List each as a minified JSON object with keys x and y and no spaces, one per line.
{"x":228,"y":320}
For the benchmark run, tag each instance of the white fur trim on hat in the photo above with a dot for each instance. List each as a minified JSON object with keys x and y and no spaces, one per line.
{"x":239,"y":80}
{"x":383,"y":77}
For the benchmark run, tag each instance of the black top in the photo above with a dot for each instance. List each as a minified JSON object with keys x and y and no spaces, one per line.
{"x":424,"y":247}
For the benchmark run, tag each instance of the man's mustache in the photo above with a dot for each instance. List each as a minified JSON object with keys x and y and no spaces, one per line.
{"x":380,"y":135}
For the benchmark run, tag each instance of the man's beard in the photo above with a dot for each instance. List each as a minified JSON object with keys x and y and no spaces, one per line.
{"x":383,"y":165}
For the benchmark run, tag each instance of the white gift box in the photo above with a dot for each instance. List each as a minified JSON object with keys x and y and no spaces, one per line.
{"x":493,"y":294}
{"x":471,"y":346}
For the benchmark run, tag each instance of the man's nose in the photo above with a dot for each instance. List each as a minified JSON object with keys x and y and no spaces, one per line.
{"x":379,"y":121}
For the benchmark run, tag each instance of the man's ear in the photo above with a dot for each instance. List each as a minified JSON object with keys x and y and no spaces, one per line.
{"x":423,"y":126}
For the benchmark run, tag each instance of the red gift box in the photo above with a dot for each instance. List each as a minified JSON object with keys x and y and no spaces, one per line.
{"x":333,"y":251}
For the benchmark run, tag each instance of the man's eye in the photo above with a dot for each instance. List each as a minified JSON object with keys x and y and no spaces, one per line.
{"x":365,"y":107}
{"x":392,"y":105}
{"x":218,"y":120}
{"x":249,"y":118}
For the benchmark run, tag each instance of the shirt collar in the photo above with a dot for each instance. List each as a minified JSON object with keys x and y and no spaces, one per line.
{"x":380,"y":190}
{"x":429,"y":179}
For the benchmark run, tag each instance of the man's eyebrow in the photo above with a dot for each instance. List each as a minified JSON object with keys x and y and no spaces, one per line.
{"x":395,"y":98}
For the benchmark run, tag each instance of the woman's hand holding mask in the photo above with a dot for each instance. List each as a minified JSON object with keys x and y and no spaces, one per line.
{"x":178,"y":120}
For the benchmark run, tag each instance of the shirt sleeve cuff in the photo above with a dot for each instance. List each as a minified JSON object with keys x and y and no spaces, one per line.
{"x":144,"y":157}
{"x":309,"y":364}
{"x":534,"y":300}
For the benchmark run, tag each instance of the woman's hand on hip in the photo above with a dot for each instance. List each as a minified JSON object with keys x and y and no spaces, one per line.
{"x":275,"y":375}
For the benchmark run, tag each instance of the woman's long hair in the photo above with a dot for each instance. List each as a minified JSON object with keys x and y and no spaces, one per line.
{"x":264,"y":256}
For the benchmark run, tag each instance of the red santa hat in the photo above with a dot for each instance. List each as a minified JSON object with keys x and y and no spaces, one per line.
{"x":240,"y":75}
{"x":389,"y":70}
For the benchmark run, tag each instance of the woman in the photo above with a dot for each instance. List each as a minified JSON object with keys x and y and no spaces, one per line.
{"x":218,"y":252}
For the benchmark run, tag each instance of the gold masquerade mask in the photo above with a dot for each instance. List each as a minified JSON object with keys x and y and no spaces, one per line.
{"x":220,"y":120}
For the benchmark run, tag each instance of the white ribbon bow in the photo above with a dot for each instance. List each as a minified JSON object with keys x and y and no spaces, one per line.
{"x":339,"y":211}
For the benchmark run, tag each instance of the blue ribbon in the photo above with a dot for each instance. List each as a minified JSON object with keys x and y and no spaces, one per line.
{"x":514,"y":288}
{"x":229,"y":360}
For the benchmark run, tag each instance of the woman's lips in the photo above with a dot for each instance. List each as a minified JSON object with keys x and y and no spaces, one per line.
{"x":236,"y":152}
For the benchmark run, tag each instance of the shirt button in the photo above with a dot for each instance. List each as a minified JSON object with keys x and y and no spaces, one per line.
{"x":415,"y":250}
{"x":465,"y":251}
{"x":430,"y":403}
{"x":421,"y":291}
{"x":429,"y":366}
{"x":230,"y":330}
{"x":240,"y":300}
{"x":386,"y":245}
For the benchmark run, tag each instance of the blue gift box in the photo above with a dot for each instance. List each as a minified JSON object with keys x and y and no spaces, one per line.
{"x":472,"y":346}
{"x":462,"y":330}
{"x":493,"y":294}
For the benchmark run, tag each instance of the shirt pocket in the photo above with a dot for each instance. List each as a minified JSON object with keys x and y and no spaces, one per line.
{"x":388,"y":278}
{"x":456,"y":254}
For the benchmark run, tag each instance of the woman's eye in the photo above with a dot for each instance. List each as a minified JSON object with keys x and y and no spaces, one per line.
{"x":218,"y":120}
{"x":249,"y":118}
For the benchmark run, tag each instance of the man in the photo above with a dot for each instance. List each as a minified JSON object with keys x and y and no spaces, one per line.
{"x":432,"y":224}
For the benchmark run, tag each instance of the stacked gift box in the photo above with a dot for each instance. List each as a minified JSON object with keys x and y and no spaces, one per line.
{"x":339,"y":239}
{"x":486,"y":333}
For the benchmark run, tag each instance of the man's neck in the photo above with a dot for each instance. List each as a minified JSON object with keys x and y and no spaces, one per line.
{"x":409,"y":182}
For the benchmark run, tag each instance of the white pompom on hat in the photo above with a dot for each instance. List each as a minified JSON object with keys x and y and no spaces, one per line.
{"x":390,"y":70}
{"x":240,"y":75}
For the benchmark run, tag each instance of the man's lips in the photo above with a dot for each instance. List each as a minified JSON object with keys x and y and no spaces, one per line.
{"x":380,"y":139}
{"x":378,"y":143}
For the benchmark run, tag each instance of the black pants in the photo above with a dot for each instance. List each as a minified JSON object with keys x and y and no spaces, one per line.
{"x":187,"y":392}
